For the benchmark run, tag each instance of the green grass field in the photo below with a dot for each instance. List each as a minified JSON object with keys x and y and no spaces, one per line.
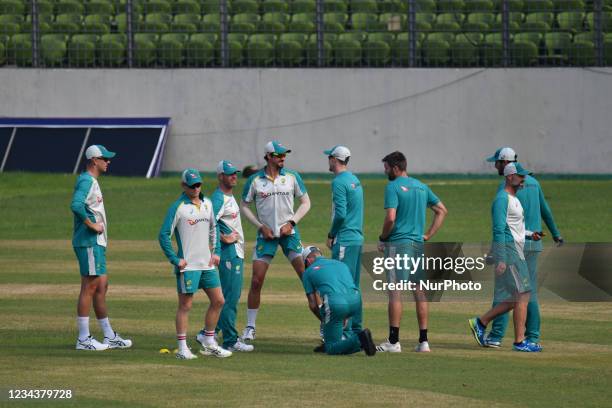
{"x":39,"y":285}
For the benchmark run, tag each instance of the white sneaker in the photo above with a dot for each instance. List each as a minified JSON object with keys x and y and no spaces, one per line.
{"x":90,"y":344}
{"x":215,"y":350}
{"x":239,"y":345}
{"x":117,"y":342}
{"x":248,"y":333}
{"x":387,"y":347}
{"x":422,"y":347}
{"x":185,"y":355}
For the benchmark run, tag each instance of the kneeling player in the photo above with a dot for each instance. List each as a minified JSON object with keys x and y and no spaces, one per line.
{"x":332,"y":281}
{"x":191,"y":217}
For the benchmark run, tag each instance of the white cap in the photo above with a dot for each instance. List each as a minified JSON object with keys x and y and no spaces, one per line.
{"x":515,"y":168}
{"x":339,"y":152}
{"x":507,"y":153}
{"x":308,"y":250}
{"x":98,"y":151}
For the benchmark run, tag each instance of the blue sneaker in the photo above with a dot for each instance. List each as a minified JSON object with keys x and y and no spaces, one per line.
{"x":492,"y":342}
{"x":478,"y":331}
{"x":535,"y":344}
{"x":527,"y":347}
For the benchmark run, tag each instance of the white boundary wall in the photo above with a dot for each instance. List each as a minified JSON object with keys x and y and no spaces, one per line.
{"x":444,"y":120}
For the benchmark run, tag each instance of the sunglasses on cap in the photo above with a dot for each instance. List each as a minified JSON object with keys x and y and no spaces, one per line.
{"x":194,"y":186}
{"x":279,"y":155}
{"x":102,"y":158}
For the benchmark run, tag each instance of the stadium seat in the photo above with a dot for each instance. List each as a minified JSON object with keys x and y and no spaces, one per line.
{"x":557,"y":44}
{"x":186,"y":7}
{"x":2,"y":53}
{"x":388,"y":21}
{"x":436,"y":52}
{"x":400,"y":52}
{"x":581,"y":52}
{"x":568,"y":5}
{"x":441,"y":36}
{"x":464,"y":50}
{"x":274,"y":6}
{"x":363,"y":6}
{"x":245,"y":6}
{"x":482,"y":18}
{"x":20,"y":50}
{"x":299,"y":37}
{"x":353,"y":36}
{"x":376,"y":53}
{"x":571,"y":21}
{"x":157,"y":6}
{"x":211,"y":23}
{"x":199,"y":50}
{"x":67,"y":23}
{"x":240,"y":38}
{"x":110,"y":51}
{"x":335,"y":6}
{"x":277,"y":17}
{"x":236,"y":54}
{"x":539,"y":26}
{"x":340,"y":18}
{"x":450,"y":19}
{"x":516,"y":20}
{"x":10,"y":24}
{"x":382,"y":36}
{"x":491,"y":50}
{"x":97,"y":24}
{"x":259,"y":51}
{"x":289,"y":52}
{"x":44,"y":7}
{"x":210,"y":6}
{"x":185,"y":23}
{"x":246,"y":18}
{"x":392,"y":6}
{"x":311,"y":52}
{"x":52,"y":50}
{"x":347,"y":52}
{"x":530,"y":36}
{"x":301,"y":26}
{"x":450,"y":6}
{"x":270,"y":27}
{"x":538,"y":6}
{"x":523,"y":53}
{"x":366,"y":21}
{"x":478,"y":6}
{"x":303,"y":6}
{"x":547,"y":18}
{"x":170,"y":49}
{"x":69,"y":7}
{"x":102,"y":7}
{"x":606,"y":21}
{"x":145,"y":51}
{"x":12,"y":7}
{"x":82,"y":50}
{"x":428,"y":6}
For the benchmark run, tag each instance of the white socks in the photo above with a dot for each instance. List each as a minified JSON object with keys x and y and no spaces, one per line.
{"x":83,"y":326}
{"x":209,"y":338}
{"x":182,"y":341}
{"x":251,"y":317}
{"x":106,"y":328}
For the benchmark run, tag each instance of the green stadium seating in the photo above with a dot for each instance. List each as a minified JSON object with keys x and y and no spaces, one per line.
{"x":384,"y":36}
{"x":97,"y":24}
{"x":436,"y":52}
{"x":523,"y":53}
{"x":539,"y":26}
{"x":2,"y":53}
{"x":82,"y":50}
{"x":99,"y":7}
{"x":386,"y":21}
{"x":311,"y":52}
{"x":12,"y":7}
{"x":52,"y":51}
{"x":157,"y":6}
{"x":335,"y":6}
{"x":10,"y":24}
{"x":538,"y":6}
{"x":270,"y":27}
{"x":568,"y":5}
{"x":353,"y":36}
{"x":290,"y":52}
{"x":276,"y":17}
{"x":185,"y":23}
{"x":259,"y":51}
{"x":186,"y":7}
{"x":400,"y":52}
{"x":210,"y":6}
{"x":581,"y":52}
{"x":241,"y":38}
{"x":571,"y":21}
{"x":110,"y":50}
{"x":606,"y":21}
{"x":301,"y":26}
{"x":211,"y":23}
{"x":303,"y":6}
{"x":366,"y":21}
{"x":450,"y":6}
{"x":392,"y":6}
{"x":608,"y":50}
{"x":376,"y":53}
{"x":245,"y":6}
{"x":19,"y":50}
{"x":145,"y":51}
{"x":248,"y":28}
{"x":170,"y":49}
{"x":491,"y":50}
{"x":67,"y":23}
{"x":547,"y":18}
{"x":483,"y":18}
{"x":199,"y":50}
{"x":44,"y":7}
{"x":274,"y":6}
{"x":530,"y":36}
{"x":450,"y":19}
{"x":69,"y":6}
{"x":426,"y":6}
{"x":478,"y":6}
{"x":340,"y":18}
{"x":347,"y":52}
{"x":246,"y":18}
{"x":441,"y":36}
{"x":363,"y":6}
{"x":236,"y":53}
{"x":464,"y":50}
{"x":557,"y":44}
{"x":299,"y":37}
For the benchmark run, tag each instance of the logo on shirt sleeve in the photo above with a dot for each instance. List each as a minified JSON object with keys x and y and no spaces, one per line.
{"x":404,"y":189}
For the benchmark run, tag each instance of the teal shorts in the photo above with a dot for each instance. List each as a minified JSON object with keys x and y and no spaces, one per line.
{"x":92,"y":260}
{"x":191,"y":281}
{"x":288,"y":243}
{"x":513,"y":281}
{"x":413,"y":250}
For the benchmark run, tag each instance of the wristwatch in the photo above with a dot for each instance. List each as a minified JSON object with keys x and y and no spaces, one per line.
{"x":292,"y":223}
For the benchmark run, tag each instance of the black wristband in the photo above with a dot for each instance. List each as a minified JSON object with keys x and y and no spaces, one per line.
{"x":330,"y":236}
{"x":381,"y":239}
{"x":292,"y":222}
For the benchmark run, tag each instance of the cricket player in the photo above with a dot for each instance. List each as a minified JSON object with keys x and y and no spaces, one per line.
{"x":403,"y":233}
{"x":273,"y":189}
{"x":231,"y":266}
{"x":512,"y":282}
{"x":345,"y":237}
{"x":192,"y":220}
{"x":89,"y":240}
{"x":535,"y":209}
{"x":332,"y":281}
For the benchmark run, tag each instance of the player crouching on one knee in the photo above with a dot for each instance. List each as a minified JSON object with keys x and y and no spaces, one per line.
{"x":332,"y":281}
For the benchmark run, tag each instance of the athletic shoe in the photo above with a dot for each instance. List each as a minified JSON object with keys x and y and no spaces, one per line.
{"x":367,"y":344}
{"x":248,"y":333}
{"x":201,"y":336}
{"x":215,"y":350}
{"x":422,"y":347}
{"x":185,"y":355}
{"x":90,"y":343}
{"x":239,"y":345}
{"x":491,"y":342}
{"x":538,"y":346}
{"x":527,"y":347}
{"x":387,"y":347}
{"x":117,"y":342}
{"x":478,"y":331}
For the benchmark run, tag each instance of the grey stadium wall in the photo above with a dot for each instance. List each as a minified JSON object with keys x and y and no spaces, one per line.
{"x":445,"y":120}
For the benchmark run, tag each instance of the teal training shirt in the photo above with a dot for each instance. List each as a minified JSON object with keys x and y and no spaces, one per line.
{"x":328,"y":277}
{"x":410,"y":198}
{"x":347,"y":209}
{"x":535,"y":208}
